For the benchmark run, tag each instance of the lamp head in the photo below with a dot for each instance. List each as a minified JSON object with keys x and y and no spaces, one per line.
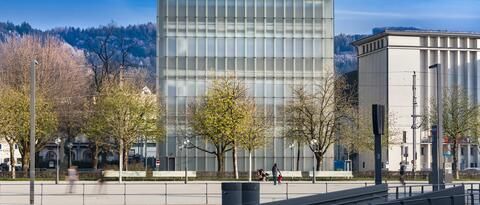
{"x":434,"y":66}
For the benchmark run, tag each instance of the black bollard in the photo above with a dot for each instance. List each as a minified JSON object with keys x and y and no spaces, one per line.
{"x":231,"y":193}
{"x":250,"y":193}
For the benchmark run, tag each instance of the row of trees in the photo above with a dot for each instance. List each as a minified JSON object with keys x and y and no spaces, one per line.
{"x":318,"y":116}
{"x":73,"y":98}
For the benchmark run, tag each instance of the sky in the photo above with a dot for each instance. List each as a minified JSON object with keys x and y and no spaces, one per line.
{"x":351,"y":16}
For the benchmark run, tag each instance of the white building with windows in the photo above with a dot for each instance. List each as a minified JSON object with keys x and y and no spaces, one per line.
{"x":5,"y":154}
{"x":270,"y":45}
{"x":387,"y":62}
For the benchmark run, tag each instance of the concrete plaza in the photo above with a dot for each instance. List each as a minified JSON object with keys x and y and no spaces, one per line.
{"x":149,"y":193}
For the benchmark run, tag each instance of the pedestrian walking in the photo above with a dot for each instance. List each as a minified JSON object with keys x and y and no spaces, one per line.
{"x":275,"y":173}
{"x":72,"y":177}
{"x":101,"y":181}
{"x":402,"y":173}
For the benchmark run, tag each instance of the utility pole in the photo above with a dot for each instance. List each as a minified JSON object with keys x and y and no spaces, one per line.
{"x":414,"y":123}
{"x":32,"y":132}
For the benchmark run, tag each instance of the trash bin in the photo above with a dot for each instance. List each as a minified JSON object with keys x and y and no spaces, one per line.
{"x":231,"y":193}
{"x":250,"y":193}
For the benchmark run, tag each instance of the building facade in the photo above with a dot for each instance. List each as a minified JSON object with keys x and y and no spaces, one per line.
{"x":387,"y":62}
{"x":270,"y":45}
{"x":5,"y":156}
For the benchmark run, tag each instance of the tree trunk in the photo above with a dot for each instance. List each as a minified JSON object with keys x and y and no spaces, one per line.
{"x":25,"y":164}
{"x":235,"y":161}
{"x":318,"y":160}
{"x":455,"y":159}
{"x":13,"y":160}
{"x":125,"y":158}
{"x":120,"y":162}
{"x":249,"y":165}
{"x":95,"y":153}
{"x":220,"y":164}
{"x":298,"y":156}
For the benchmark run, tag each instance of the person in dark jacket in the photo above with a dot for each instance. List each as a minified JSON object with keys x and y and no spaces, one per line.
{"x":275,"y":173}
{"x":402,"y":173}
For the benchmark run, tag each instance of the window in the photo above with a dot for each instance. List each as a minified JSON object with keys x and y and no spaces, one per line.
{"x":230,"y":47}
{"x":461,"y":151}
{"x":220,"y":47}
{"x":422,"y":150}
{"x":298,"y":48}
{"x":250,"y":47}
{"x":172,"y":9}
{"x":191,"y":47}
{"x":279,"y":47}
{"x":269,"y":45}
{"x":16,"y":146}
{"x":279,"y":8}
{"x":211,"y":47}
{"x":240,"y":47}
{"x":363,"y":165}
{"x":289,"y":48}
{"x":260,"y":47}
{"x":298,"y":9}
{"x":240,"y":8}
{"x":182,"y":46}
{"x":0,"y":146}
{"x":289,"y":8}
{"x":172,"y":47}
{"x":260,"y":9}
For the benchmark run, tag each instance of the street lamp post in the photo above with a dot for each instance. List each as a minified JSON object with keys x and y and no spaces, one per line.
{"x":32,"y":132}
{"x":145,"y":152}
{"x":70,"y":146}
{"x":57,"y":142}
{"x":185,"y":146}
{"x":437,"y":147}
{"x":314,"y":144}
{"x":292,"y":147}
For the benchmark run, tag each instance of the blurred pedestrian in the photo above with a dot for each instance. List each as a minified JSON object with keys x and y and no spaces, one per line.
{"x":101,"y":181}
{"x":72,"y":178}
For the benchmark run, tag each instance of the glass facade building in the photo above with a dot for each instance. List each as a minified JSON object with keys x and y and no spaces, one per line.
{"x":271,"y":45}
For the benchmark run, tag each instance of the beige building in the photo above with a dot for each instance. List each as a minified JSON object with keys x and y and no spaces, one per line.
{"x":387,"y":62}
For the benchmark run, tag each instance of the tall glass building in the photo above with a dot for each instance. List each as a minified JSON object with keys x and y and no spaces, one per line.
{"x":271,"y":45}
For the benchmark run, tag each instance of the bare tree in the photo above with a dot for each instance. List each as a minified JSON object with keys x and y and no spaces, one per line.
{"x":316,"y":112}
{"x":460,"y":119}
{"x":61,"y":77}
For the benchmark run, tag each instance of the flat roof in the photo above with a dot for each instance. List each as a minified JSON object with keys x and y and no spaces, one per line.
{"x":414,"y":33}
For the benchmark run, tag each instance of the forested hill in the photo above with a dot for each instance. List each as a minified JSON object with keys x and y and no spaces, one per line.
{"x":138,"y":42}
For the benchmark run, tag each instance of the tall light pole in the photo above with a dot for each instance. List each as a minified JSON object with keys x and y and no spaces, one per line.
{"x":57,"y":165}
{"x":185,"y":146}
{"x":70,"y":146}
{"x":145,"y":151}
{"x":314,"y":144}
{"x":32,"y":131}
{"x":437,"y":142}
{"x":292,"y":147}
